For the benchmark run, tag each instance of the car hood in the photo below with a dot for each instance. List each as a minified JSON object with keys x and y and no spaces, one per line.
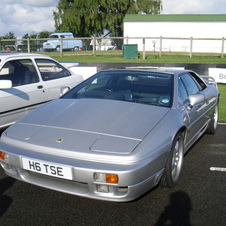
{"x":86,"y":125}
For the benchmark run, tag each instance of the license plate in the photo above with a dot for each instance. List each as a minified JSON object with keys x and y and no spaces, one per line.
{"x":47,"y":168}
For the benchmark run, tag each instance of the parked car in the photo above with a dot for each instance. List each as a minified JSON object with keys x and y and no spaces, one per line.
{"x":114,"y":136}
{"x":29,"y":80}
{"x":67,"y":44}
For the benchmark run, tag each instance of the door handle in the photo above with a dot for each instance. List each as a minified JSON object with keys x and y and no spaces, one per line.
{"x":40,"y":87}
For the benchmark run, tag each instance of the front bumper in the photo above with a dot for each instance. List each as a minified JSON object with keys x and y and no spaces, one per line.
{"x":134,"y":179}
{"x":49,"y":47}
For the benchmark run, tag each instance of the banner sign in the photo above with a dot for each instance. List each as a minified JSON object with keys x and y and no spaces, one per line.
{"x":219,"y":74}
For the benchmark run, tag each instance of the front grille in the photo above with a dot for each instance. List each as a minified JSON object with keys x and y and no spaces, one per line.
{"x":63,"y":185}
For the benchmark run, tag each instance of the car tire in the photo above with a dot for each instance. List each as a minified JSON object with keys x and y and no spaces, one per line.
{"x":212,"y":126}
{"x":76,"y":48}
{"x":174,"y":163}
{"x":58,"y":49}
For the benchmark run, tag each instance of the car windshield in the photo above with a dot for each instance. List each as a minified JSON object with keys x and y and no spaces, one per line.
{"x":145,"y":87}
{"x":53,"y":36}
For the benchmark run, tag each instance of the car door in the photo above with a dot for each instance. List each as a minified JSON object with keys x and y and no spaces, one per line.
{"x":55,"y":77}
{"x":26,"y":93}
{"x":65,"y":42}
{"x":194,"y":117}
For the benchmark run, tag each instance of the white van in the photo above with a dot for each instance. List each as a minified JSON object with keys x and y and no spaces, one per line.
{"x":68,"y":43}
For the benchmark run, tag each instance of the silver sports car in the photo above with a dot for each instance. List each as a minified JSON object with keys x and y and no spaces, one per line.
{"x":114,"y":136}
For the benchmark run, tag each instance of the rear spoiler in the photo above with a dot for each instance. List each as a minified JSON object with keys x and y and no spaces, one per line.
{"x":209,"y":80}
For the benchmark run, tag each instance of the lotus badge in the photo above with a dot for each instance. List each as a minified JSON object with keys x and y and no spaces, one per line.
{"x":59,"y":140}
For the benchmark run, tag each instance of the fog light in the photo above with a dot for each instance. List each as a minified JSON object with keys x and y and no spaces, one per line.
{"x":2,"y":155}
{"x":102,"y":188}
{"x":123,"y":189}
{"x":106,"y":178}
{"x":13,"y":169}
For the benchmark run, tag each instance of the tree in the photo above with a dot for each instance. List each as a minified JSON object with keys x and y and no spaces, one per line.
{"x":31,"y":36}
{"x":44,"y":34}
{"x":79,"y":17}
{"x":113,"y":13}
{"x":92,"y":17}
{"x":149,"y":6}
{"x":9,"y":35}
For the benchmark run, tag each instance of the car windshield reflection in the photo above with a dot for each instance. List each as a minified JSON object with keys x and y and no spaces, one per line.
{"x":143,"y":87}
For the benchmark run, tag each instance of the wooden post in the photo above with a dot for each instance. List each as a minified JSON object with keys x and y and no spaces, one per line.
{"x":94,"y":46}
{"x":191,"y":47}
{"x":144,"y":49}
{"x":61,"y":47}
{"x":28,"y":45}
{"x":222,"y":48}
{"x":160,"y":50}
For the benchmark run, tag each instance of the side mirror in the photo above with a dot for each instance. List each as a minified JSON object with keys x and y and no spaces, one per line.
{"x":64,"y":90}
{"x":196,"y":99}
{"x":6,"y":84}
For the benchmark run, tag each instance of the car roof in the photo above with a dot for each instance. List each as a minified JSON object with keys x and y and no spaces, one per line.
{"x":62,"y":33}
{"x":171,"y":71}
{"x":4,"y":56}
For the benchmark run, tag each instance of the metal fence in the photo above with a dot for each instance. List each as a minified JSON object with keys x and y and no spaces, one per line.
{"x":114,"y":45}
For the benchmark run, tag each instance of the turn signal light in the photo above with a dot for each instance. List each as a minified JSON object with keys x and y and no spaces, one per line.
{"x":112,"y":178}
{"x":106,"y":178}
{"x":2,"y":155}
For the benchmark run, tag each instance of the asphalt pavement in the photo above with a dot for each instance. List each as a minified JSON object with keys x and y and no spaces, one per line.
{"x":199,"y":198}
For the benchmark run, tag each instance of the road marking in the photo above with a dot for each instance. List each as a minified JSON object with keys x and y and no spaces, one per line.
{"x":221,"y":123}
{"x":220,"y":169}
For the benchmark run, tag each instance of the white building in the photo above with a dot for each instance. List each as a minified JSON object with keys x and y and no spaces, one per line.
{"x":211,"y":26}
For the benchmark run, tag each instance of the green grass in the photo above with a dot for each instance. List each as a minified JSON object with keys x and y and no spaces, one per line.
{"x":116,"y":57}
{"x":222,"y":107}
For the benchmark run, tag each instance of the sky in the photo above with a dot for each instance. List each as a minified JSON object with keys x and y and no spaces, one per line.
{"x":27,"y":16}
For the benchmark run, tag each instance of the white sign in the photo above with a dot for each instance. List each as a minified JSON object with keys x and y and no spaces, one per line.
{"x":219,"y":74}
{"x":86,"y":72}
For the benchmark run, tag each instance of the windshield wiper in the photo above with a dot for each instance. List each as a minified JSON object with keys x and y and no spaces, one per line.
{"x":146,"y":102}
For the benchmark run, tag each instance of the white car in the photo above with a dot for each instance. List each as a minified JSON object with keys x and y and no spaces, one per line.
{"x":29,"y":80}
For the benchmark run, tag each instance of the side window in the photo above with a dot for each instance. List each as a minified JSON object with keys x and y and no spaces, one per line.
{"x":20,"y":72}
{"x":201,"y":84}
{"x":51,"y":70}
{"x":182,"y":93}
{"x":190,"y":84}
